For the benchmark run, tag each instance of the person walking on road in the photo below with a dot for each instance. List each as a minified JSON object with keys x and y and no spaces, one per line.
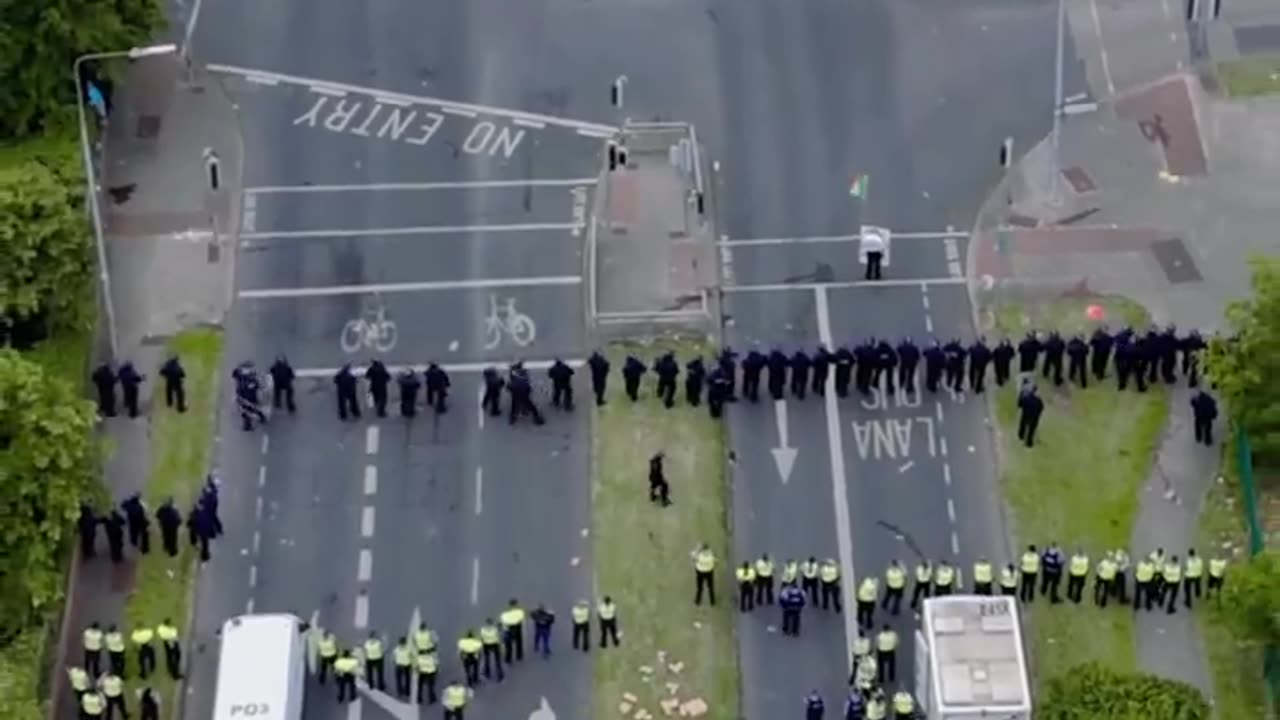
{"x":512,"y":620}
{"x":543,"y":619}
{"x":344,"y":674}
{"x":282,"y":377}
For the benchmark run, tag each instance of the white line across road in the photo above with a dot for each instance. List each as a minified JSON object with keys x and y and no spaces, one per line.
{"x":820,"y":239}
{"x":413,"y":230}
{"x":418,"y":186}
{"x":810,"y":287}
{"x":476,"y":284}
{"x":472,"y":367}
{"x":338,"y":89}
{"x":839,"y":483}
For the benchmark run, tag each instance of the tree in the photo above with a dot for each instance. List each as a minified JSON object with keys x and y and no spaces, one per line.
{"x":1245,"y":364}
{"x":47,"y":465}
{"x":1096,"y":692}
{"x":1251,"y":600}
{"x":39,"y":42}
{"x":44,"y":241}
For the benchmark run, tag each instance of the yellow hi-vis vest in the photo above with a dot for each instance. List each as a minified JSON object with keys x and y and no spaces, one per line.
{"x":79,"y":679}
{"x":746,"y":574}
{"x":1217,"y":567}
{"x":1030,"y":563}
{"x":886,"y":641}
{"x":511,"y":618}
{"x":142,"y":636}
{"x":455,"y":696}
{"x":115,"y":641}
{"x":424,"y":641}
{"x":581,"y":613}
{"x":1009,"y":578}
{"x":790,"y":571}
{"x":328,"y":647}
{"x":764,"y":568}
{"x":402,"y":655}
{"x":428,"y":663}
{"x":867,"y":591}
{"x":1079,"y":565}
{"x":1195,"y":568}
{"x":704,"y":561}
{"x":830,"y":571}
{"x":982,"y":573}
{"x":895,"y":578}
{"x":92,"y":704}
{"x":92,"y":639}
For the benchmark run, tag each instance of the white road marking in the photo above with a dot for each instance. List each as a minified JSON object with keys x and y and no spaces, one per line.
{"x":602,"y":134}
{"x":955,"y":544}
{"x":364,"y":570}
{"x":257,"y":541}
{"x":257,"y":509}
{"x":387,"y":187}
{"x":937,"y":407}
{"x":471,"y":367}
{"x":253,"y":576}
{"x":906,"y":466}
{"x":820,"y":239}
{"x":249,"y":215}
{"x":268,"y":81}
{"x":479,"y":490}
{"x":371,"y":440}
{"x":839,"y":484}
{"x":313,"y":84}
{"x":262,"y":475}
{"x":372,"y":288}
{"x":248,"y":607}
{"x":1102,"y":48}
{"x":266,"y":443}
{"x":326,"y":90}
{"x":480,"y":405}
{"x":370,"y":477}
{"x":928,"y":324}
{"x":783,"y":287}
{"x":397,"y":231}
{"x":946,"y":474}
{"x":535,"y":124}
{"x":367,"y":514}
{"x":942,"y":445}
{"x":951,"y":510}
{"x":355,"y":710}
{"x":390,"y":100}
{"x":362,"y":612}
{"x":458,"y":111}
{"x":475,"y":580}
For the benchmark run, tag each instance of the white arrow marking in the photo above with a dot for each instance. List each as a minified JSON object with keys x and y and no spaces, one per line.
{"x":354,"y":710}
{"x":784,"y":456}
{"x":544,"y":712}
{"x":313,"y":643}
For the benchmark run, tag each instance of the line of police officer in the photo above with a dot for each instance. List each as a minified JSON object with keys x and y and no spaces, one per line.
{"x":100,"y":691}
{"x":106,"y":377}
{"x":203,"y":525}
{"x":483,"y":652}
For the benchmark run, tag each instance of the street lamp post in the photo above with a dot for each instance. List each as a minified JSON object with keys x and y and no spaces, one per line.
{"x":1055,"y":165}
{"x":104,"y":275}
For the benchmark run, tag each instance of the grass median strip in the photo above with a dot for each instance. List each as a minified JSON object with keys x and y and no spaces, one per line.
{"x":1079,"y":485}
{"x":181,"y":445}
{"x":672,"y":653}
{"x":1250,"y":76}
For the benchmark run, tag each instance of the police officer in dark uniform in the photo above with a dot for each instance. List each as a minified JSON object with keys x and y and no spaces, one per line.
{"x":667,"y":370}
{"x":599,"y":366}
{"x":843,"y":360}
{"x":87,"y":526}
{"x":886,"y":365}
{"x":1077,"y":352}
{"x":935,"y":362}
{"x":562,"y":384}
{"x":1030,"y":407}
{"x":1100,"y":344}
{"x":1143,"y":351}
{"x":821,"y":368}
{"x":130,"y":382}
{"x":348,"y":402}
{"x":1155,"y":349}
{"x":979,"y":356}
{"x":437,"y":388}
{"x":247,"y":386}
{"x":728,"y":364}
{"x":1204,"y":409}
{"x":1029,"y":353}
{"x":1124,"y":358}
{"x":800,"y":364}
{"x":632,"y":371}
{"x":379,"y":380}
{"x":282,"y":384}
{"x":1002,"y":358}
{"x":695,"y":374}
{"x":408,"y":383}
{"x":114,"y":524}
{"x":717,"y":392}
{"x":955,"y":364}
{"x":175,"y":395}
{"x":521,"y":390}
{"x":169,"y":519}
{"x":1051,"y":564}
{"x":814,"y":708}
{"x":139,"y":525}
{"x":1054,"y":347}
{"x":752,"y":366}
{"x":491,"y":400}
{"x":777,"y":373}
{"x":1191,"y":346}
{"x":659,"y":488}
{"x":908,"y":359}
{"x":1169,"y":345}
{"x":104,"y":380}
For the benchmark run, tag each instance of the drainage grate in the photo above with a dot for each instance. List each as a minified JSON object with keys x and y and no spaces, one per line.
{"x":148,"y":127}
{"x":1175,"y":261}
{"x":1079,"y":180}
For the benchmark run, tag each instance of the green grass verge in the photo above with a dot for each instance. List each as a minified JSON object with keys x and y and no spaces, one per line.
{"x":1250,"y":76}
{"x":642,"y":552}
{"x":1079,"y":485}
{"x":181,"y":445}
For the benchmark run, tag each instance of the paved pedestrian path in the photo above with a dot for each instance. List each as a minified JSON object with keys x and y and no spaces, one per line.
{"x":169,"y":273}
{"x":1168,"y":222}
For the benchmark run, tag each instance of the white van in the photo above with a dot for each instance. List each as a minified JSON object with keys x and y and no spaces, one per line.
{"x":261,"y":668}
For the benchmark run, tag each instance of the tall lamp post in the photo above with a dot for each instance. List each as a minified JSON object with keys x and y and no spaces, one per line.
{"x":104,"y":275}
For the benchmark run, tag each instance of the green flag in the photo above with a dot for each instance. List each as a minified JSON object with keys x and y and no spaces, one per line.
{"x":858,"y":188}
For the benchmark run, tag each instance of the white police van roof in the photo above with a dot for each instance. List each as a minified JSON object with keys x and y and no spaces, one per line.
{"x":260,"y":668}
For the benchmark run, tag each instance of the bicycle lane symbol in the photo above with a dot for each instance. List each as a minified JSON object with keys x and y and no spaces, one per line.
{"x":371,"y":331}
{"x":505,"y":319}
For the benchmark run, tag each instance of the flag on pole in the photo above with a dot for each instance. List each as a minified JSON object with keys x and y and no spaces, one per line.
{"x":858,"y":188}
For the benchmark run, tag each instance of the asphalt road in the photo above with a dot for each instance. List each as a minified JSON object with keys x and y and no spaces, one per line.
{"x":366,"y":525}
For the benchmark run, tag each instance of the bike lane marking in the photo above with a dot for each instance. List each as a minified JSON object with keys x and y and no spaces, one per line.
{"x":505,"y":319}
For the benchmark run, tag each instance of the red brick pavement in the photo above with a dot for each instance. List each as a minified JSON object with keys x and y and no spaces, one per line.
{"x":1166,"y":114}
{"x":1055,"y":241}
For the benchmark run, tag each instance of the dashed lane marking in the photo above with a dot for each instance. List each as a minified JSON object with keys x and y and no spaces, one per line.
{"x":337,"y":89}
{"x":364,"y":566}
{"x":367,"y":514}
{"x":371,"y":440}
{"x":473,"y":284}
{"x":370,"y":479}
{"x":475,"y":580}
{"x":414,"y":186}
{"x":479,"y":490}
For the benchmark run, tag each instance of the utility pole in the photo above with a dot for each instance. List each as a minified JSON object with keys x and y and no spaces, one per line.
{"x":1055,"y":165}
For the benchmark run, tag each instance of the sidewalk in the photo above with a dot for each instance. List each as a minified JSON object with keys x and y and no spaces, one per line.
{"x":1164,"y":211}
{"x":169,"y":273}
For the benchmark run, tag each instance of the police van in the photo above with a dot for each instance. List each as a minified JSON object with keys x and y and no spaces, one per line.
{"x":261,"y":668}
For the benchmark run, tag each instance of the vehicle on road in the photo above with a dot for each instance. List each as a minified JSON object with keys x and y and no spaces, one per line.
{"x":261,"y":668}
